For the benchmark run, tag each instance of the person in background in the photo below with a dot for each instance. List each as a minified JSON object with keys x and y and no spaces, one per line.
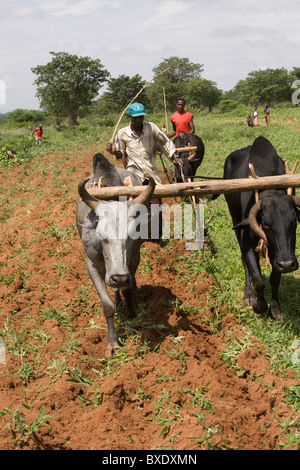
{"x":38,"y":136}
{"x":181,"y":120}
{"x":138,"y":144}
{"x":267,"y":114}
{"x":255,"y":116}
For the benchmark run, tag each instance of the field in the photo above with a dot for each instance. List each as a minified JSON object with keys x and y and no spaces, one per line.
{"x":196,"y":370}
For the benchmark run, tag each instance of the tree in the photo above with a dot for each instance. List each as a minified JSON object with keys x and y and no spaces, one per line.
{"x":264,"y":86}
{"x":67,"y":83}
{"x":120,"y":92}
{"x":172,"y":81}
{"x":295,"y":74}
{"x":202,"y":93}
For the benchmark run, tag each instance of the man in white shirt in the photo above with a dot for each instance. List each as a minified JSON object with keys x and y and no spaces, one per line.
{"x":138,"y":144}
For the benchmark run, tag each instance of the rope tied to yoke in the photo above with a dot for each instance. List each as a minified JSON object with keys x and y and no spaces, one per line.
{"x":262,"y":247}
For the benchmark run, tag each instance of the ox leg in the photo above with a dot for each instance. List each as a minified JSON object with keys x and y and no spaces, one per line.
{"x":253,"y":272}
{"x":275,"y":308}
{"x":249,"y":296}
{"x":108,"y":309}
{"x":127,"y":294}
{"x":118,"y":300}
{"x":130,"y":312}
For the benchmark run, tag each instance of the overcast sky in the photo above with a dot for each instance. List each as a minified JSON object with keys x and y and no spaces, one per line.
{"x":229,"y":37}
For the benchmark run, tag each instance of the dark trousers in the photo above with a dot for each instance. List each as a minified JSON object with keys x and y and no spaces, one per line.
{"x":156,"y":215}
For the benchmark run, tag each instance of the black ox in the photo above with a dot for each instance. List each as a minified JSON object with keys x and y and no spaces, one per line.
{"x":273,"y":219}
{"x":190,"y":161}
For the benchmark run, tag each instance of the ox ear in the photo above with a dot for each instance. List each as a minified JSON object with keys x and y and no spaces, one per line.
{"x":297,"y":204}
{"x":243,"y":224}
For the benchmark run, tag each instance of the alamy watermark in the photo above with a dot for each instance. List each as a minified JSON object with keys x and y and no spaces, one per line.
{"x":296,"y":94}
{"x":2,"y":92}
{"x":2,"y":352}
{"x":180,"y":221}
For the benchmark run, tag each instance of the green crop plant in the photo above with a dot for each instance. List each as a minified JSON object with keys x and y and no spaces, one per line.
{"x":21,"y":431}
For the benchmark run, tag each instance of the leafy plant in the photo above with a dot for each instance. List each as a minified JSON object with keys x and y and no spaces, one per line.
{"x":19,"y":429}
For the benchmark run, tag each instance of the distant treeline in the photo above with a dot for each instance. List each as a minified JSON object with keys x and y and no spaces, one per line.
{"x":68,"y":87}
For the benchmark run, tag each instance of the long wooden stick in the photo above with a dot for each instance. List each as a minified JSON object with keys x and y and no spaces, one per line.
{"x":163,"y":71}
{"x":288,"y":172}
{"x":203,"y":187}
{"x":165,"y":105}
{"x":186,"y":149}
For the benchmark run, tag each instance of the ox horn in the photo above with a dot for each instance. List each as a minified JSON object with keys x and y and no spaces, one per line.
{"x":144,"y":197}
{"x":191,"y":156}
{"x":90,"y":200}
{"x":254,"y":224}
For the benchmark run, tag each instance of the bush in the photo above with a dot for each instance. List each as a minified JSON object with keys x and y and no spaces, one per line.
{"x":25,"y":117}
{"x":225,"y":106}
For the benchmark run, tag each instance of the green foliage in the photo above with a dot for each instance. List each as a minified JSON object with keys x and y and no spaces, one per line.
{"x":202,"y":93}
{"x":227,"y":105}
{"x":120,"y":92}
{"x":68,"y":83}
{"x":20,"y":430}
{"x":172,"y":81}
{"x":265,"y":86}
{"x":25,"y":117}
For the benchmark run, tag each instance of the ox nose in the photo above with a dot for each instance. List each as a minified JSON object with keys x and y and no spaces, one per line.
{"x":119,"y":280}
{"x":288,"y":266}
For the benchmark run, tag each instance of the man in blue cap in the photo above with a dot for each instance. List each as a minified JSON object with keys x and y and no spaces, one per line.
{"x":138,"y":144}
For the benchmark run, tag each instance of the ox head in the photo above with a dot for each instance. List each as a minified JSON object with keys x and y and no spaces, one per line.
{"x":274,"y":220}
{"x":191,"y":160}
{"x":121,"y":227}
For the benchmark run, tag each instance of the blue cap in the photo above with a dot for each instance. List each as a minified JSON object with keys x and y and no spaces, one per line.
{"x":136,"y":109}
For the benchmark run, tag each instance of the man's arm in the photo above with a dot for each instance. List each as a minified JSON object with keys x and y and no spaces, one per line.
{"x":111,"y":148}
{"x":173,"y":133}
{"x":167,"y":147}
{"x":192,"y":126}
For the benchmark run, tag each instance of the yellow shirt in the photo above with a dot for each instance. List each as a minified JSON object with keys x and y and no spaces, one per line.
{"x":140,"y":152}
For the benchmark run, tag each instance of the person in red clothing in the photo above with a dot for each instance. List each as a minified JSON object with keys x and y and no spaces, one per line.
{"x":181,"y":120}
{"x":38,"y":136}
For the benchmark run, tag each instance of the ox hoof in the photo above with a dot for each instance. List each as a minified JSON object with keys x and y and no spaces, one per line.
{"x":249,"y":301}
{"x":260,"y":307}
{"x":276,"y":316}
{"x":110,"y":349}
{"x":275,"y":311}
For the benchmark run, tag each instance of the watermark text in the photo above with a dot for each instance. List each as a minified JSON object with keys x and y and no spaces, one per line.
{"x":2,"y":92}
{"x":296,"y":94}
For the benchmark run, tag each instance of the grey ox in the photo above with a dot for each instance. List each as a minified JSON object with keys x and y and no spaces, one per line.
{"x":112,"y":233}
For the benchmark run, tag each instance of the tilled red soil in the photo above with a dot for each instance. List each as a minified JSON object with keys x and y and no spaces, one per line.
{"x":168,"y":387}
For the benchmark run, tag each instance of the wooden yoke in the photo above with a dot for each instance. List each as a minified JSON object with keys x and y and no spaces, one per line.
{"x":254,"y":175}
{"x":288,"y":172}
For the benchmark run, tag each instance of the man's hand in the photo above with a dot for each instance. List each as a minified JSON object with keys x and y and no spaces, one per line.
{"x":178,"y":161}
{"x":111,"y":148}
